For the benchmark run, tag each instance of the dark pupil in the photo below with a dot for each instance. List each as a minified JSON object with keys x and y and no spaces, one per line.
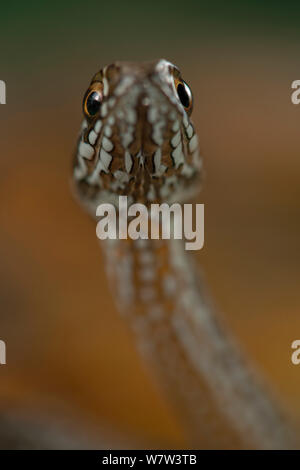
{"x":93,"y":103}
{"x":183,"y":96}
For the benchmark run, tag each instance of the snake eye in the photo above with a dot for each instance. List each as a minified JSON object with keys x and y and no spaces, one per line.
{"x":92,"y":100}
{"x":184,"y":94}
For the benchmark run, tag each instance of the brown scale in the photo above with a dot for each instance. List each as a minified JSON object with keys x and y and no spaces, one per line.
{"x":188,"y":386}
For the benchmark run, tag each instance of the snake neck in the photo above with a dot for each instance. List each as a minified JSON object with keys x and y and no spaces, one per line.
{"x":218,"y":400}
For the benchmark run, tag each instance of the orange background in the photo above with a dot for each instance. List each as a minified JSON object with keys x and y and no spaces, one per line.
{"x":70,"y":358}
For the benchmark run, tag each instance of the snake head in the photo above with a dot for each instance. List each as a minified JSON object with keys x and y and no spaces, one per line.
{"x":137,"y":138}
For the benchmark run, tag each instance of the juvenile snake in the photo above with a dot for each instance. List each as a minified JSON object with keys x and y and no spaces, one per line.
{"x":137,"y":139}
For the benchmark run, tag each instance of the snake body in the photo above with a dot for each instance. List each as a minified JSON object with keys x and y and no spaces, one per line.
{"x":137,"y":139}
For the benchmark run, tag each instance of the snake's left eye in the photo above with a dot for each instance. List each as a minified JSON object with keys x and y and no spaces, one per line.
{"x":92,"y":101}
{"x":184,"y":94}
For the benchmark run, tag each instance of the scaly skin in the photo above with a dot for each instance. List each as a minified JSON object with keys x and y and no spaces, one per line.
{"x":139,"y":141}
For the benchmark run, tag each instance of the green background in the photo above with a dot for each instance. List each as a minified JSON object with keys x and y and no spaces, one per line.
{"x":69,"y":352}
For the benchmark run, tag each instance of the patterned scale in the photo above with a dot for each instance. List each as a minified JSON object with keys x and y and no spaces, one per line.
{"x":137,"y":140}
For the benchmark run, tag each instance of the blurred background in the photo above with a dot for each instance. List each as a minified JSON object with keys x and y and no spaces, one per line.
{"x":73,"y":377}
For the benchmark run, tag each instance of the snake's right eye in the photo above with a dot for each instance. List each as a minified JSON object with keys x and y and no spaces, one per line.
{"x":92,"y":101}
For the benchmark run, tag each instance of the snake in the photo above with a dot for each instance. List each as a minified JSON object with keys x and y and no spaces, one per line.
{"x":137,"y":139}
